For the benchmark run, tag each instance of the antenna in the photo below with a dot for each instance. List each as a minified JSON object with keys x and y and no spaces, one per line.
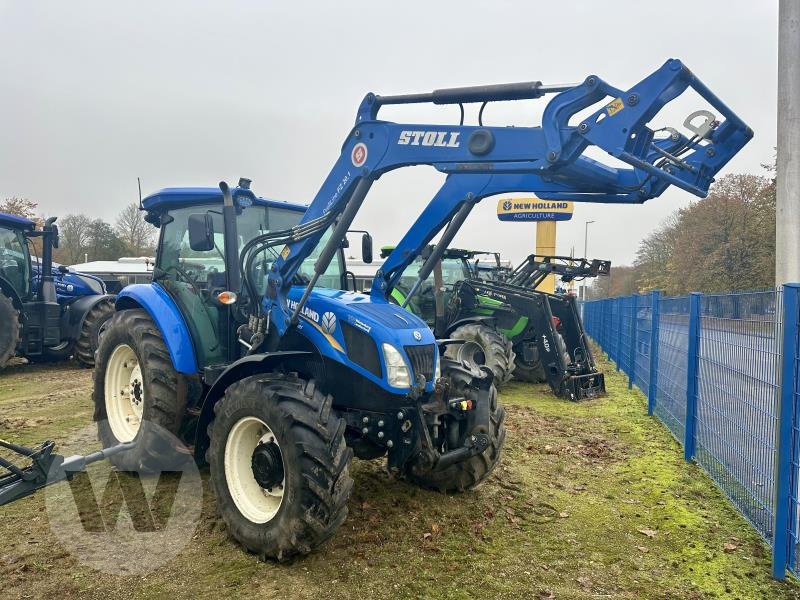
{"x":139,"y":181}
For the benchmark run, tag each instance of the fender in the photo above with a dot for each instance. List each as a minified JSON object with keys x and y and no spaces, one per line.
{"x":244,"y":367}
{"x":169,"y":320}
{"x":75,"y":314}
{"x":456,"y":324}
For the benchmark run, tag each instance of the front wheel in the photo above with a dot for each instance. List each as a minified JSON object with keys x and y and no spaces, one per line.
{"x":278,"y":462}
{"x":89,"y":338}
{"x":483,"y":346}
{"x":467,"y":474}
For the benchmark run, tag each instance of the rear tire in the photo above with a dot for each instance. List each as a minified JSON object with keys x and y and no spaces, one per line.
{"x":468,"y":474}
{"x":60,"y":353}
{"x":10,"y":329}
{"x":293,"y":425}
{"x":484,"y":346}
{"x":136,"y":394}
{"x":89,"y":338}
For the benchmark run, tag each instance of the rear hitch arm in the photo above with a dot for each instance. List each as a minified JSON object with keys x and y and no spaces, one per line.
{"x":46,"y":468}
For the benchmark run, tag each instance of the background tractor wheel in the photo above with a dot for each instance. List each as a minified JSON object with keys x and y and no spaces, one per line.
{"x":89,"y":338}
{"x":10,"y":329}
{"x":484,"y":346}
{"x":529,"y":371}
{"x":468,"y":474}
{"x":53,"y":354}
{"x":278,"y":462}
{"x":136,"y":394}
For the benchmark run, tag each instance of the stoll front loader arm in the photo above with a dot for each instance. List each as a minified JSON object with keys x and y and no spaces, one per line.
{"x":480,"y":161}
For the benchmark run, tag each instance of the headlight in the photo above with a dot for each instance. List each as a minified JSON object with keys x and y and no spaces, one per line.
{"x":397,"y":371}
{"x":437,"y":372}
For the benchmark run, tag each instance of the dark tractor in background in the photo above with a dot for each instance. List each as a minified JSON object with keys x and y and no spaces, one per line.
{"x":47,"y":313}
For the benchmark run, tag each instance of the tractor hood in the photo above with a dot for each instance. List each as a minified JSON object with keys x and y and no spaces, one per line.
{"x":351,"y":329}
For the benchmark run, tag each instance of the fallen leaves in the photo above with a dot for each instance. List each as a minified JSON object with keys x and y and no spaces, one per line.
{"x":651,"y":533}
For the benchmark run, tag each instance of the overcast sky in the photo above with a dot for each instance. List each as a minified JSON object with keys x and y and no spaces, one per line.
{"x":94,"y":94}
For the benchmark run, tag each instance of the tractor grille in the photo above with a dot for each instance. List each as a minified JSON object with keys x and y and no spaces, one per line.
{"x":422,"y":358}
{"x":361,"y":349}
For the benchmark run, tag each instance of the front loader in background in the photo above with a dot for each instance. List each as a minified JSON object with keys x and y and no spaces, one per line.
{"x":276,"y":380}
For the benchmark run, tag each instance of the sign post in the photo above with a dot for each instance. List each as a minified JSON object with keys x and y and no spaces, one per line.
{"x":545,"y":213}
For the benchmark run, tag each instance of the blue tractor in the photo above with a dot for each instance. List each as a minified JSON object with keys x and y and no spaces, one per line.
{"x":47,"y":313}
{"x":246,"y":347}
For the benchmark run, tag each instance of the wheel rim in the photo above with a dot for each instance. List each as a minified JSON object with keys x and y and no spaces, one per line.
{"x":254,"y":469}
{"x":472,"y":352}
{"x":124,"y":393}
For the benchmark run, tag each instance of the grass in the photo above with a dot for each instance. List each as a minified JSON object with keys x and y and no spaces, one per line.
{"x":591,"y":500}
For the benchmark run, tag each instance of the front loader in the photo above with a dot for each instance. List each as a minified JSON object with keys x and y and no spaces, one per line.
{"x":239,"y":346}
{"x":47,"y":314}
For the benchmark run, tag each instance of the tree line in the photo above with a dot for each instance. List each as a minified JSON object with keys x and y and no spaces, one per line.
{"x":724,"y":242}
{"x":83,"y":237}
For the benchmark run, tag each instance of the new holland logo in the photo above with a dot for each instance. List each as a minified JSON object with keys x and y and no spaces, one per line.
{"x":329,"y":322}
{"x":417,"y":336}
{"x":507,"y":205}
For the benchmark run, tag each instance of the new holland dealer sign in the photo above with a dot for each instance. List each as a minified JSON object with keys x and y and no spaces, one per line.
{"x":533,"y":209}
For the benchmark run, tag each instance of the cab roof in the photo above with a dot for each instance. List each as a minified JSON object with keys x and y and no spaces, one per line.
{"x":16,"y":222}
{"x":177,"y":197}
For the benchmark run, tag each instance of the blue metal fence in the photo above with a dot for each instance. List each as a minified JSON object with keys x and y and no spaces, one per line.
{"x":721,"y":372}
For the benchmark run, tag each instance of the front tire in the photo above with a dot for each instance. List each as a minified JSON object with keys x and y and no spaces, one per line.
{"x":278,"y":462}
{"x":10,"y":329}
{"x":468,"y":474}
{"x":483,"y":346}
{"x":529,"y":371}
{"x":136,"y":394}
{"x":89,"y":338}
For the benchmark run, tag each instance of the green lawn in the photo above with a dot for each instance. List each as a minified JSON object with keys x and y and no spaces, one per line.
{"x":592,"y":500}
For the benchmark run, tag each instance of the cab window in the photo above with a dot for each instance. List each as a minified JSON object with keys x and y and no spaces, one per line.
{"x":14,"y":261}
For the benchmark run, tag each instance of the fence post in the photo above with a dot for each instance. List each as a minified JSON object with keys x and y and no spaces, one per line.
{"x":652,"y":387}
{"x":632,"y":361}
{"x":784,"y":444}
{"x":691,"y":375}
{"x":620,"y":327}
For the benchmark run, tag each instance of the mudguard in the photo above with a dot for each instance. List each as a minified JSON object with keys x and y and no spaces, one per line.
{"x":244,"y":367}
{"x":456,"y":324}
{"x":75,"y":314}
{"x":162,"y":309}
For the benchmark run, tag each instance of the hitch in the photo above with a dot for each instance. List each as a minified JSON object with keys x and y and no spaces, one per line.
{"x":45,"y":468}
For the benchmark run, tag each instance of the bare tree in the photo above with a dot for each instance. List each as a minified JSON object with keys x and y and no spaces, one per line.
{"x":19,"y":206}
{"x":132,"y":229}
{"x":75,"y":232}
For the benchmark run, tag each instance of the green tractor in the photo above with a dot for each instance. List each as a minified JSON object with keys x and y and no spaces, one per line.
{"x":484,"y":341}
{"x":505,"y":323}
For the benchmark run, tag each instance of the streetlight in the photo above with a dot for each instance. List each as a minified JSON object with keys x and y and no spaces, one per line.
{"x":585,"y":253}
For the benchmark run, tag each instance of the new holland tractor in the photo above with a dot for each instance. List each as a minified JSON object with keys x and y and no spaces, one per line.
{"x":239,"y":346}
{"x":46,"y":314}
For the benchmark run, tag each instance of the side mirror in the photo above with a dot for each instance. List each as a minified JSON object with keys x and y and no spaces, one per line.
{"x":201,"y":232}
{"x":366,"y":248}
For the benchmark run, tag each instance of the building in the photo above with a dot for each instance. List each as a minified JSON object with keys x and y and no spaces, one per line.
{"x":117,"y":274}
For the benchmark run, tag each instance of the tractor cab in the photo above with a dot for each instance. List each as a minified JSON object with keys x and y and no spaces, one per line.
{"x":15,"y":260}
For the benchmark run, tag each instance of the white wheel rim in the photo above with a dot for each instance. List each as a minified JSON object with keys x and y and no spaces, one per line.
{"x":257,"y":504}
{"x":124,"y":393}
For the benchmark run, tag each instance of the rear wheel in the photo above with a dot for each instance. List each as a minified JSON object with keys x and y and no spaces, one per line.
{"x":470,"y":473}
{"x":278,"y":462}
{"x":89,"y":338}
{"x":58,"y":353}
{"x":483,"y":346}
{"x":9,"y":331}
{"x":136,"y":393}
